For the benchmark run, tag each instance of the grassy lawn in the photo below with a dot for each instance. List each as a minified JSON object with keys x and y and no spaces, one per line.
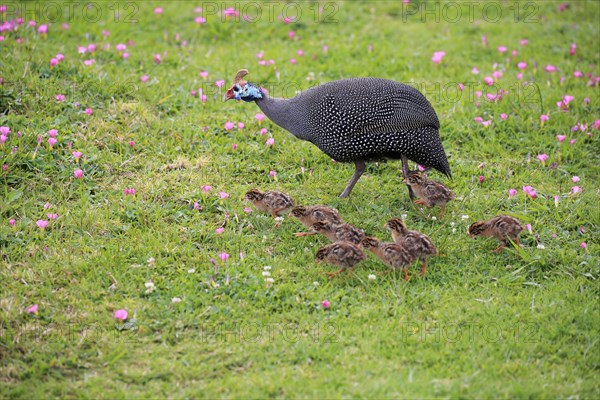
{"x":188,"y":260}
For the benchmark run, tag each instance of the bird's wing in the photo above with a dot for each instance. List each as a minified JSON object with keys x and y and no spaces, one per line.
{"x":277,"y":200}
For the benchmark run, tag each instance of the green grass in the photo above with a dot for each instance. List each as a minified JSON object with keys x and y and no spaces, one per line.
{"x":522,"y":323}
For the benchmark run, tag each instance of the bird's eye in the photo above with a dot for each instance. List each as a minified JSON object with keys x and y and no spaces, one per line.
{"x":236,"y":88}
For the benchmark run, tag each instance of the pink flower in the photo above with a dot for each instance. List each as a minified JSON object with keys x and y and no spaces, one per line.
{"x":52,"y":142}
{"x":121,"y":47}
{"x":77,"y":155}
{"x":556,"y":200}
{"x":519,"y":76}
{"x":502,"y":49}
{"x":144,"y":78}
{"x":583,"y":245}
{"x":241,"y":125}
{"x":197,"y":206}
{"x":5,"y":130}
{"x":572,"y":141}
{"x":550,"y":68}
{"x":220,"y":83}
{"x":300,"y":53}
{"x":438,"y":56}
{"x":259,"y":117}
{"x":60,"y":97}
{"x":206,"y":188}
{"x":131,"y":143}
{"x":512,"y":193}
{"x":234,"y":146}
{"x":272,"y":174}
{"x":43,"y":29}
{"x":270,"y":142}
{"x":325,"y":304}
{"x":223,"y":195}
{"x":220,"y":230}
{"x":89,"y":62}
{"x":121,"y":314}
{"x":497,"y":74}
{"x":486,"y":123}
{"x":264,"y":131}
{"x":530,"y":191}
{"x":578,"y":74}
{"x":528,"y":227}
{"x":488,"y":80}
{"x":157,"y":58}
{"x":229,"y":125}
{"x":544,"y":118}
{"x":484,"y":41}
{"x":42,"y":223}
{"x":575,"y":179}
{"x":292,"y":61}
{"x":522,"y":65}
{"x":52,"y":216}
{"x":461,"y":87}
{"x":204,"y":74}
{"x":231,"y":12}
{"x":576,"y":189}
{"x":572,"y":49}
{"x":542,"y":157}
{"x":475,"y":70}
{"x":481,"y":178}
{"x":129,"y":192}
{"x":503,"y":116}
{"x":12,"y":222}
{"x":158,"y":10}
{"x":53,"y":62}
{"x":32,"y":309}
{"x":560,"y":138}
{"x":223,"y":256}
{"x":291,"y":34}
{"x":78,"y":174}
{"x":52,"y":133}
{"x":200,"y":20}
{"x":247,"y":210}
{"x":89,"y":111}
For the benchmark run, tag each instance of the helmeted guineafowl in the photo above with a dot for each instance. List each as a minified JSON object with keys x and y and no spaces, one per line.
{"x":356,"y":120}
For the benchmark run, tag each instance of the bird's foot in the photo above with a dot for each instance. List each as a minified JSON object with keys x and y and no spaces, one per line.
{"x":499,"y":249}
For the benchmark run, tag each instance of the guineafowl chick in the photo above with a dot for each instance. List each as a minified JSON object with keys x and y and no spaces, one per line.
{"x":272,"y":202}
{"x":415,"y":242}
{"x":356,"y":120}
{"x":342,"y":254}
{"x":394,"y":255}
{"x":430,"y":193}
{"x":339,"y":232}
{"x":502,"y":227}
{"x":309,"y":215}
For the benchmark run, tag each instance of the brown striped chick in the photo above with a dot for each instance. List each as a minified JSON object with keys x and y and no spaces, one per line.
{"x":394,"y":255}
{"x":430,"y":193}
{"x":415,"y":242}
{"x":273,"y":202}
{"x":308,"y":215}
{"x":338,"y":232}
{"x":342,"y":254}
{"x":502,"y":227}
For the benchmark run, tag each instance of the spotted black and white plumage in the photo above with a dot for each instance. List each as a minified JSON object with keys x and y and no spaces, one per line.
{"x":360,"y":119}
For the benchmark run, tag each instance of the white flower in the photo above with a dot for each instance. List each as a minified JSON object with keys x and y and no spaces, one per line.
{"x":269,"y":282}
{"x":452,"y":224}
{"x":372,"y":277}
{"x":279,"y":219}
{"x":541,"y":246}
{"x":465,"y":217}
{"x":315,"y":283}
{"x":453,"y":230}
{"x":149,"y":287}
{"x":266,"y":273}
{"x":151,"y":261}
{"x":403,"y":216}
{"x":267,"y":267}
{"x":176,"y":300}
{"x":434,"y":218}
{"x":191,"y":271}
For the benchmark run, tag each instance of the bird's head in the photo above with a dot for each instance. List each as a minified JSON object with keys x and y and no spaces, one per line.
{"x":369,"y":242}
{"x":415,"y":178}
{"x":243,"y":90}
{"x":254,"y":195}
{"x":476,"y":228}
{"x":321,"y":226}
{"x":395,"y":224}
{"x":298,"y":211}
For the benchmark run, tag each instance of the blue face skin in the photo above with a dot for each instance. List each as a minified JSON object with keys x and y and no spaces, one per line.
{"x":247,"y":92}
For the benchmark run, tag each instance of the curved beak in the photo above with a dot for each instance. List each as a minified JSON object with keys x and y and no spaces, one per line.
{"x":228,"y":95}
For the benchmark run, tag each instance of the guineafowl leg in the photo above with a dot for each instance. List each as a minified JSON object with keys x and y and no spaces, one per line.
{"x":405,"y":174}
{"x":360,"y":168}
